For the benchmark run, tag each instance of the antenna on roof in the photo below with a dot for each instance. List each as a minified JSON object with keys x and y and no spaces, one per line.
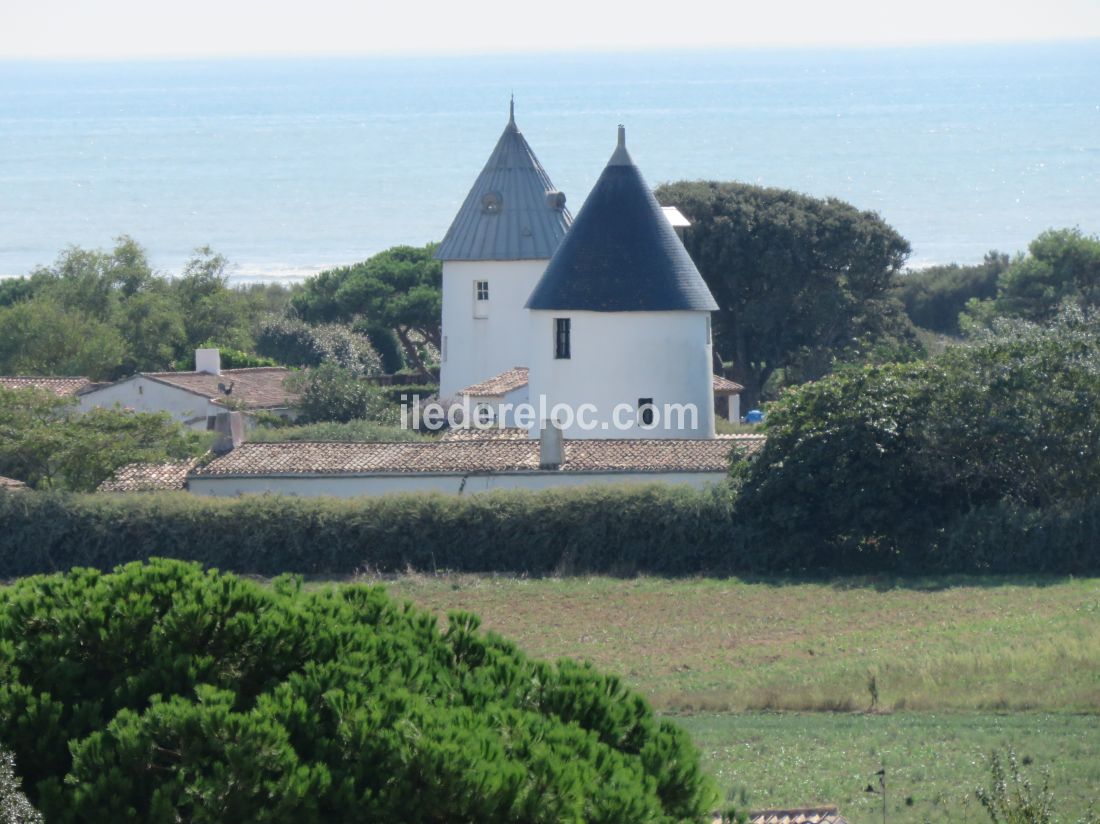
{"x":512,"y":110}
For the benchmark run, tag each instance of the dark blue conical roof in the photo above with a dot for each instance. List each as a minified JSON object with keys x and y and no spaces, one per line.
{"x":621,"y":254}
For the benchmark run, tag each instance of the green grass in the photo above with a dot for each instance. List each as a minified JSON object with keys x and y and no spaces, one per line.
{"x":933,"y":760}
{"x":727,"y":645}
{"x":963,"y":666}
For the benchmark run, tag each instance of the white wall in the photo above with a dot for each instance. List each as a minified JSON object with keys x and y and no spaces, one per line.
{"x":479,"y":348}
{"x":144,"y":395}
{"x":348,"y":486}
{"x":619,"y":357}
{"x":503,"y":408}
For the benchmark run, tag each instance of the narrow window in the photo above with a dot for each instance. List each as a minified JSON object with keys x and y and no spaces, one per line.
{"x":709,"y":340}
{"x":561,"y":338}
{"x":444,"y":348}
{"x":645,"y":410}
{"x":481,"y":298}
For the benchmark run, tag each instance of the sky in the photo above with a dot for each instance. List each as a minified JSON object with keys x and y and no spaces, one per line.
{"x":122,"y":29}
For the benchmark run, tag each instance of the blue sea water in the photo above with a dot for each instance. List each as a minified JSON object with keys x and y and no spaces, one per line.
{"x":288,"y":166}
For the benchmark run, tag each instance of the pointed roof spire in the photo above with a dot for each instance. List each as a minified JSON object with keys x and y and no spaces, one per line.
{"x":513,"y":211}
{"x":621,"y":254}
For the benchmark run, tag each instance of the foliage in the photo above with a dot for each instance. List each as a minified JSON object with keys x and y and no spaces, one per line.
{"x":935,"y":297}
{"x":613,"y":530}
{"x":1062,"y":266}
{"x":1012,"y":799}
{"x":296,"y":343}
{"x":14,"y":806}
{"x":161,"y":692}
{"x":876,"y":460}
{"x":45,"y":442}
{"x":230,"y":358}
{"x":400,"y":289}
{"x":801,"y":283}
{"x":107,"y":314}
{"x":331,"y":393}
{"x":355,"y":431}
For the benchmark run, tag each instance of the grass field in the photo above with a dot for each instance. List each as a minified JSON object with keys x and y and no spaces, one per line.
{"x":771,"y":679}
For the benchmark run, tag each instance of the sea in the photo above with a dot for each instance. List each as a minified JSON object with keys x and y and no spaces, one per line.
{"x":289,"y":166}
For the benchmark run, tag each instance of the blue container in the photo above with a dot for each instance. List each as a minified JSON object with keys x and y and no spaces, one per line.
{"x":754,"y":416}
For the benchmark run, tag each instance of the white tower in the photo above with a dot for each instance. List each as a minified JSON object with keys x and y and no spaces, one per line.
{"x":509,"y":226}
{"x":620,"y":320}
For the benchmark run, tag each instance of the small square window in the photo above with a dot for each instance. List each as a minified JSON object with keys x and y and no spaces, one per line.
{"x":645,"y":411}
{"x":561,"y":338}
{"x":482,"y":289}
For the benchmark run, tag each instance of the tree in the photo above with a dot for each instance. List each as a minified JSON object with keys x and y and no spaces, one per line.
{"x":163,"y":692}
{"x":42,"y":337}
{"x":935,"y":297}
{"x":45,"y":442}
{"x":399,"y":289}
{"x":331,"y":393}
{"x":1061,"y":266}
{"x":875,"y":459}
{"x":801,"y":283}
{"x":297,"y":343}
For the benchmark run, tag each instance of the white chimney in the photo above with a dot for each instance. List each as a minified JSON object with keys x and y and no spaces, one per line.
{"x":208,"y":361}
{"x":551,"y":446}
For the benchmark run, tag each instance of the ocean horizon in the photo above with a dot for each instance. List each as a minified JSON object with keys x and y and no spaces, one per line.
{"x":290,"y":166}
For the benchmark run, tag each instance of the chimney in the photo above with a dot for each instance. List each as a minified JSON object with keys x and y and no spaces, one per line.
{"x":229,"y":431}
{"x":551,"y":446}
{"x":208,"y":361}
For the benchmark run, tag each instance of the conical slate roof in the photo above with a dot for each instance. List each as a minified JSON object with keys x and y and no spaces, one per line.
{"x":621,"y":254}
{"x":513,"y":211}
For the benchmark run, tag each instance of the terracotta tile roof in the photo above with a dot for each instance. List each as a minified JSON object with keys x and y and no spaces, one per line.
{"x":61,"y":387}
{"x":804,"y":815}
{"x":724,"y":386}
{"x":11,"y":483}
{"x":492,"y":433}
{"x":260,"y":387}
{"x":499,"y":385}
{"x":143,"y":477}
{"x":501,"y":455}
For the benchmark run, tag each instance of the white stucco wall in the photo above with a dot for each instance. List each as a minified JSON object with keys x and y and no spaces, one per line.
{"x":619,"y":357}
{"x":479,"y":348}
{"x":350,"y":486}
{"x":144,"y":395}
{"x":502,"y":408}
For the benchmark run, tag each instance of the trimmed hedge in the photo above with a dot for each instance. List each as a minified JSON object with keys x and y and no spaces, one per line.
{"x":657,"y":530}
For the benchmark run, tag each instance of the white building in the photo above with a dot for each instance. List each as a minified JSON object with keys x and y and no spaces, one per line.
{"x":509,"y":226}
{"x":193,"y":397}
{"x":620,"y":320}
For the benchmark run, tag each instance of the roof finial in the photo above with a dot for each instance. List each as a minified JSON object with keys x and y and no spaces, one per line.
{"x":621,"y":157}
{"x":512,"y":110}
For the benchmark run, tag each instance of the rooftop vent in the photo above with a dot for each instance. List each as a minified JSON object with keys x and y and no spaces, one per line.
{"x":555,"y":200}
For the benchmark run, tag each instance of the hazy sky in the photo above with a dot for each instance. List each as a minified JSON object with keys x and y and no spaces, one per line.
{"x":149,"y":28}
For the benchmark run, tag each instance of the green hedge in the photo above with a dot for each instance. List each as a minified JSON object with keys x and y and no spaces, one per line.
{"x":654,"y":530}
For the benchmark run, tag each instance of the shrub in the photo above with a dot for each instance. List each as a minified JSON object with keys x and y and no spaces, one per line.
{"x":297,"y":343}
{"x":891,"y":460}
{"x":162,"y":693}
{"x":230,"y":358}
{"x":935,"y":297}
{"x":655,"y":530}
{"x":331,"y":393}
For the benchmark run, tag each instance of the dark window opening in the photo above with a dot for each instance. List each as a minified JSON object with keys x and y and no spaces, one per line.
{"x":645,"y":408}
{"x":561,"y":338}
{"x":483,"y":290}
